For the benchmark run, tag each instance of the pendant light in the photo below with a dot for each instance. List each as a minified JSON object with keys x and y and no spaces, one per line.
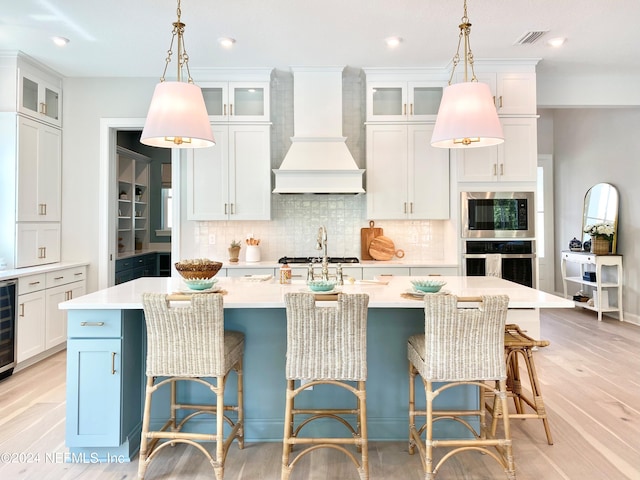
{"x":177,"y":116}
{"x":467,"y":116}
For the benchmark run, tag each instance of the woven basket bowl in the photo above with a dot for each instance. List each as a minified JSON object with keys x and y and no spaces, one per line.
{"x":194,"y":271}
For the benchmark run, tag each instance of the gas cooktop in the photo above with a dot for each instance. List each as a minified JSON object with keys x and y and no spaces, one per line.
{"x":318,"y":260}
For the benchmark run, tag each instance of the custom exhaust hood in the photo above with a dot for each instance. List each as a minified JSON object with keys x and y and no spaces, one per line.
{"x":318,"y":160}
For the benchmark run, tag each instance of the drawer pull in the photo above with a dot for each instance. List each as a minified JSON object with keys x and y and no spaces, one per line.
{"x":58,"y":278}
{"x":33,"y":284}
{"x":78,"y":274}
{"x":113,"y":363}
{"x":91,"y":324}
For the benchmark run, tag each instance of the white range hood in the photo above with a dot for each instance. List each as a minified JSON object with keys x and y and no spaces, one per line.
{"x":318,"y":160}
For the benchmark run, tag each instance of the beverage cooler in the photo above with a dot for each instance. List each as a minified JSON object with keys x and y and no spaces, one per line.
{"x":7,"y":327}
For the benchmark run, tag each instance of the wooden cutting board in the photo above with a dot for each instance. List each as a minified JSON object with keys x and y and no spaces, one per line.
{"x":382,"y":248}
{"x":366,"y":235}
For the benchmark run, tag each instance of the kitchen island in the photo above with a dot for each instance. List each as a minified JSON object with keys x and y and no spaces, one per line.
{"x":106,"y":354}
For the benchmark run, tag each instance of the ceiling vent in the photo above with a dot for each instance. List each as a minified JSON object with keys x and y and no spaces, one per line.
{"x":530,"y":37}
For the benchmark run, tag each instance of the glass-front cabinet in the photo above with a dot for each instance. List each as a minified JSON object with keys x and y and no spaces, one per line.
{"x":237,"y":101}
{"x":39,"y":98}
{"x":403,"y":101}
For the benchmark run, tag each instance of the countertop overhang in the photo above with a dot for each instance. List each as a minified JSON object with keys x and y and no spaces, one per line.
{"x":244,"y":292}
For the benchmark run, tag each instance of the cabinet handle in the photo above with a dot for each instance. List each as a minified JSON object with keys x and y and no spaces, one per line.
{"x":21,"y":310}
{"x":43,"y":108}
{"x":495,"y":170}
{"x":405,"y":207}
{"x":225,"y":209}
{"x":502,"y":169}
{"x":411,"y":108}
{"x":500,"y":101}
{"x":113,"y":363}
{"x":231,"y":109}
{"x":404,"y":108}
{"x":33,"y":284}
{"x":58,"y":278}
{"x":410,"y":207}
{"x":224,"y":110}
{"x":233,"y":209}
{"x":494,"y":100}
{"x":78,"y":274}
{"x":91,"y":324}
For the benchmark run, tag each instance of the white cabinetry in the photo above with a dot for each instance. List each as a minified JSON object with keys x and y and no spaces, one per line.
{"x":39,"y":171}
{"x":406,"y":177}
{"x":515,"y":160}
{"x":37,"y":244}
{"x":232,"y":179}
{"x":40,"y":325}
{"x":237,"y":101}
{"x":30,"y":161}
{"x":401,"y":100}
{"x":133,"y":200}
{"x":39,"y":95}
{"x":608,"y":272}
{"x":513,"y":93}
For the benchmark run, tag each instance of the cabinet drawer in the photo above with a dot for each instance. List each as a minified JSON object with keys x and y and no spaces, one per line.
{"x":32,"y":283}
{"x":124,"y":264}
{"x":94,"y":324}
{"x":579,"y":257}
{"x":68,"y":275}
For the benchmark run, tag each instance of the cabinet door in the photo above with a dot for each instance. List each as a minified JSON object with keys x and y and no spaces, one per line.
{"x":387,"y":172}
{"x":39,"y":172}
{"x":56,"y":319}
{"x":37,"y":244}
{"x":518,"y":155}
{"x":428,"y":176}
{"x":516,"y":93}
{"x":249,"y":172}
{"x":424,"y":100}
{"x":30,"y":325}
{"x":386,"y":101}
{"x":39,"y":98}
{"x":216,"y":100}
{"x":94,"y":382}
{"x":477,"y":164}
{"x":207,"y":173}
{"x":249,"y":102}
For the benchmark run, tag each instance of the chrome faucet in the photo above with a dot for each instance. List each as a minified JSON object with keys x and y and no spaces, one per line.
{"x":322,"y":243}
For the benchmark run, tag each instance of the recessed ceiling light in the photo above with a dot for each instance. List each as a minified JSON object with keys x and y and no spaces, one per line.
{"x":556,"y":42}
{"x":393,"y":42}
{"x":60,"y":41}
{"x":226,"y":42}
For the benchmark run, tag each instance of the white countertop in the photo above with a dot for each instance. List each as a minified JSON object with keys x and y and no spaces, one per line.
{"x":51,"y":267}
{"x":244,"y":292}
{"x":396,"y":262}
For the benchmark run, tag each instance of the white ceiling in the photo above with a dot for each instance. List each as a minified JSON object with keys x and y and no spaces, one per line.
{"x":131,"y":37}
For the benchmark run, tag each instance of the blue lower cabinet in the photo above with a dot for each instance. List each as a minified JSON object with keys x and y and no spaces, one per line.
{"x":130,"y":268}
{"x":104,"y":400}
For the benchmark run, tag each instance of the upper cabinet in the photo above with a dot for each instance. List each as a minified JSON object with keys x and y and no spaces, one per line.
{"x":393,"y":101}
{"x":513,"y":93}
{"x":39,"y":97}
{"x":407,"y":178}
{"x":515,"y":160}
{"x":39,"y":171}
{"x":237,"y":101}
{"x":232,"y":179}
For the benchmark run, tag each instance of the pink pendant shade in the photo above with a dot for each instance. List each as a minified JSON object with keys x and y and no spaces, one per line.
{"x":177,"y":118}
{"x":467,"y":118}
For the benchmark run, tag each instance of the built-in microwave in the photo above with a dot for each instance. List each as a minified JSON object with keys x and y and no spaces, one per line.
{"x":497,"y":214}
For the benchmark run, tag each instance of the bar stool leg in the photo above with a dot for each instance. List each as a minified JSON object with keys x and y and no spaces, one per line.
{"x":288,"y":431}
{"x":537,"y":393}
{"x":412,"y":406}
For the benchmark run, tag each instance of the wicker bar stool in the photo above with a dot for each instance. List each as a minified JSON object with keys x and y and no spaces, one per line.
{"x":518,"y":344}
{"x":460,"y":346}
{"x":326,"y":345}
{"x":188,"y":344}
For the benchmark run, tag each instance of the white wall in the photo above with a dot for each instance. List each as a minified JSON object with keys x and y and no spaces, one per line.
{"x":86,"y":101}
{"x":592,"y":146}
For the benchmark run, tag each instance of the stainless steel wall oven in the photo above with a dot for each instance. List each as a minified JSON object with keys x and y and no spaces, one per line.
{"x":512,"y":260}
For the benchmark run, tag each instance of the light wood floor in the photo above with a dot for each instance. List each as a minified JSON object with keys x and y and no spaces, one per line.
{"x":590,"y":378}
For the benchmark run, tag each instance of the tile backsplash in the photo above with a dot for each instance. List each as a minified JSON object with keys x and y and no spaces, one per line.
{"x":294,"y":226}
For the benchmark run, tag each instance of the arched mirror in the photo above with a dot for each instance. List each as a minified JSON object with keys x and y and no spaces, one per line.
{"x":601,"y":206}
